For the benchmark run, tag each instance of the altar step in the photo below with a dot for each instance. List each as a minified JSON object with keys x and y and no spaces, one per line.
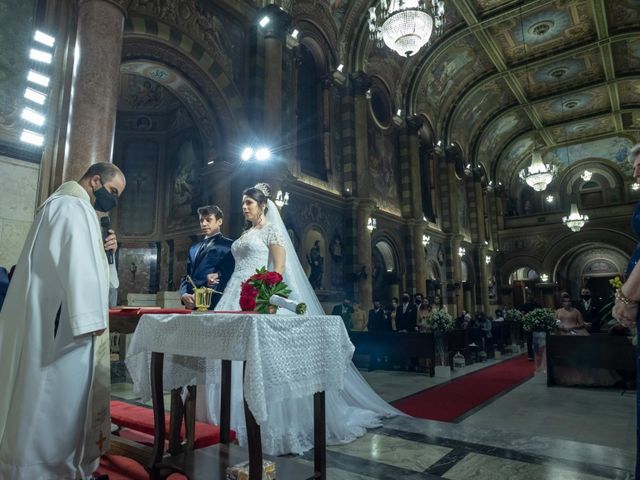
{"x":139,"y":420}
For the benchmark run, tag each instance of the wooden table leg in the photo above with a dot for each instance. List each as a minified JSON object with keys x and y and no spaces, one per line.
{"x":225,"y":403}
{"x":254,"y":441}
{"x":190,"y":417}
{"x":157,"y":360}
{"x":175,"y":421}
{"x":319,"y":437}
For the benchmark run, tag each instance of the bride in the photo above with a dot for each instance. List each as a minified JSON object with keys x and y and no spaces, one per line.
{"x":289,"y":428}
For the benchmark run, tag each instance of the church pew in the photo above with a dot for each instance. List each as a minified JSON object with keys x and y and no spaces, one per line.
{"x":594,"y":351}
{"x":374,"y":345}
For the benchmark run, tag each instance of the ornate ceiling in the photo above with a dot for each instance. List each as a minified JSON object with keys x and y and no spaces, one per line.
{"x":509,"y":74}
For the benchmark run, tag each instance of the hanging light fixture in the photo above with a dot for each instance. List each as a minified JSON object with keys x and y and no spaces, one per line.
{"x":405,"y":26}
{"x":575,"y":221}
{"x":538,"y":175}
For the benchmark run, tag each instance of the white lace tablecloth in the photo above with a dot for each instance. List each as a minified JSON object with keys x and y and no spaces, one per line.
{"x":287,"y":356}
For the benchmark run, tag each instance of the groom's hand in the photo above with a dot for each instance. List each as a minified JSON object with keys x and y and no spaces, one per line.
{"x":213,"y":279}
{"x":189,"y":300}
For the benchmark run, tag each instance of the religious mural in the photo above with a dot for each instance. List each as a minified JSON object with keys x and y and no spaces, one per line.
{"x":183,"y":198}
{"x":136,"y":208}
{"x":477,"y":107}
{"x":500,"y":131}
{"x":137,"y":270}
{"x":583,"y":128}
{"x":614,"y":149}
{"x":384,"y":168}
{"x":16,"y":29}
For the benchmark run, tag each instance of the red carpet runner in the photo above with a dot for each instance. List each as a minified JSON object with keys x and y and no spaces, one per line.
{"x":449,"y":401}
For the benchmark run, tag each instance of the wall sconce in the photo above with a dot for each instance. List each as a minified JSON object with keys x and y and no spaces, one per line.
{"x":586,"y":175}
{"x":544,"y":277}
{"x":462,"y":252}
{"x":487,"y":259}
{"x":550,"y":198}
{"x":426,"y":240}
{"x":635,"y":186}
{"x":282,"y":199}
{"x":371,"y":224}
{"x":468,"y":169}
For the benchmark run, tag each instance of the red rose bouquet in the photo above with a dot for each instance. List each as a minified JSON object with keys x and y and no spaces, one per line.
{"x":265,"y":291}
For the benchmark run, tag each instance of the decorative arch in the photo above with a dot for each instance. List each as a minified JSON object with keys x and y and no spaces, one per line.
{"x":520,"y":261}
{"x":149,"y":39}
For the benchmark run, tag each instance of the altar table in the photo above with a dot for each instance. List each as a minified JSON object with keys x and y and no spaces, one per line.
{"x":284,"y":356}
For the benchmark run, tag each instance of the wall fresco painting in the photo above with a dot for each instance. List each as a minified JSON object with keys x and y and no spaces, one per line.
{"x":615,"y":149}
{"x":499,"y":133}
{"x":384,"y":167}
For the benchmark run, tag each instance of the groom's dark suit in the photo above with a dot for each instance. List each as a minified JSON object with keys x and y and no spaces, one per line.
{"x":211,"y":255}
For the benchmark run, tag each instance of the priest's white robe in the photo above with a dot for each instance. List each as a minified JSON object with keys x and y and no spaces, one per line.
{"x":54,"y":410}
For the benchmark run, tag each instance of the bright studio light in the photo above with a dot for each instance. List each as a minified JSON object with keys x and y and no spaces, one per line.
{"x":44,"y":39}
{"x":33,"y":117}
{"x":40,"y":56}
{"x":38,"y":79}
{"x":33,"y":138}
{"x":35,"y":96}
{"x":263,"y":153}
{"x":246,"y":154}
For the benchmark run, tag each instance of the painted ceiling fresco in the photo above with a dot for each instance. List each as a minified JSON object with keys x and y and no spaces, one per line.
{"x":528,"y":36}
{"x":578,"y":104}
{"x":614,"y":149}
{"x":545,"y":72}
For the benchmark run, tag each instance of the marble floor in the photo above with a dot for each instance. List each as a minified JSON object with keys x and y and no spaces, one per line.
{"x":530,"y":432}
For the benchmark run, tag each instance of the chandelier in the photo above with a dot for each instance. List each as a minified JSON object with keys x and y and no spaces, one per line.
{"x":575,"y":221}
{"x":405,"y":26}
{"x":538,"y":175}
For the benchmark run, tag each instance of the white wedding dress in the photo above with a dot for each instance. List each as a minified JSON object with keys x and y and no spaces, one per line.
{"x":289,"y":428}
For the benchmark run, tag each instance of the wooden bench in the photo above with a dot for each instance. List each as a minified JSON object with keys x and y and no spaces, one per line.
{"x":594,"y":351}
{"x":374,"y":345}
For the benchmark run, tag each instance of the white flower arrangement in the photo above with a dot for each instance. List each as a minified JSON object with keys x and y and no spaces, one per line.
{"x":513,"y":315}
{"x":441,"y":321}
{"x":539,"y":320}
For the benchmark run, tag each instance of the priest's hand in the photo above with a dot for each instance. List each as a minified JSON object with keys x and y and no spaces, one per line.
{"x":111,"y":242}
{"x":189,"y":300}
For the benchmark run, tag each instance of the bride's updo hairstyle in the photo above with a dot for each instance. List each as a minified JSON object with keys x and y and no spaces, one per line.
{"x":261,"y":192}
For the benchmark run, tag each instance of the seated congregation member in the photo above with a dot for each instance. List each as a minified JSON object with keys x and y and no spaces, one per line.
{"x":406,"y":314}
{"x":210,"y":261}
{"x":570,"y":322}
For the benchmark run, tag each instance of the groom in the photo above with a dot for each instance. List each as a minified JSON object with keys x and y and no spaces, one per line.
{"x":209,"y":262}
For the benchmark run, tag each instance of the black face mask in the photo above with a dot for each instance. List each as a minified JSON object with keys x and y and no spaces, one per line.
{"x":586,"y":297}
{"x":105,"y":201}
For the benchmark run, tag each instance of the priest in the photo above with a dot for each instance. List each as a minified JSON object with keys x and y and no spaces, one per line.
{"x":55,"y":385}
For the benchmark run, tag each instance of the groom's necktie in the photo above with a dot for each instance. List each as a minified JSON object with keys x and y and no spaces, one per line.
{"x":203,"y":246}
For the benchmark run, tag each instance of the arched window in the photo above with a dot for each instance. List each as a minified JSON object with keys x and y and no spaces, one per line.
{"x":591,"y":194}
{"x":309,"y":150}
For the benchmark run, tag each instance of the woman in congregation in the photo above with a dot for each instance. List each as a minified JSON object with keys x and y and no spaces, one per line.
{"x":625,"y":309}
{"x":289,"y":428}
{"x":570,"y":322}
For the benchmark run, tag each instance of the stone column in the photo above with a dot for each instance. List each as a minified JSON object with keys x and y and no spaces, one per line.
{"x":274,"y":36}
{"x":548,"y":290}
{"x":484,"y":278}
{"x":456,"y":272}
{"x":482,"y":249}
{"x":95,"y":83}
{"x":414,"y":123}
{"x":327,"y":84}
{"x":365,"y":285}
{"x":361,"y":82}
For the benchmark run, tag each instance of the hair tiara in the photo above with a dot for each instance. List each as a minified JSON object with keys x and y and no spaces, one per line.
{"x":264,"y":188}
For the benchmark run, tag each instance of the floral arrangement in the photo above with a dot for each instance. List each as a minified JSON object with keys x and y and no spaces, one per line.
{"x":513,"y":315}
{"x":539,"y":320}
{"x":441,"y":321}
{"x":258,"y":291}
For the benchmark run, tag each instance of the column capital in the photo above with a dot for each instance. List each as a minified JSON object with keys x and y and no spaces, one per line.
{"x":278,"y":23}
{"x":123,"y":5}
{"x":360,"y":83}
{"x":414,"y":124}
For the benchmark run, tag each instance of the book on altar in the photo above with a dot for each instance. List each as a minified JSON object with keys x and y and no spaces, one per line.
{"x":241,"y":471}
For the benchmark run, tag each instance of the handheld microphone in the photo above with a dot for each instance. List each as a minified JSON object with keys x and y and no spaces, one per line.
{"x":105,"y":225}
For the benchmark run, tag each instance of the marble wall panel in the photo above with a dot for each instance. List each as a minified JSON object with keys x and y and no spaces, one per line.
{"x":19,"y":187}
